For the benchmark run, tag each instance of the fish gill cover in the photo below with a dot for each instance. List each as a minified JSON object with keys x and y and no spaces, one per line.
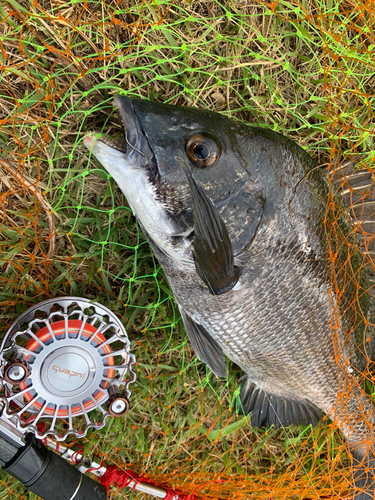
{"x":305,"y":69}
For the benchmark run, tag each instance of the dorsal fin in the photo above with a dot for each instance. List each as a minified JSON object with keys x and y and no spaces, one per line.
{"x":357,"y":188}
{"x":363,"y":474}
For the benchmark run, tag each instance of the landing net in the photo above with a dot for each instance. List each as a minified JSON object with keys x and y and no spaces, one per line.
{"x":305,"y":69}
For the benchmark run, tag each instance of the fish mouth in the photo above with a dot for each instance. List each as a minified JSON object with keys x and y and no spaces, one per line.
{"x":130,"y":125}
{"x":133,"y":141}
{"x":136,"y":147}
{"x":133,"y":149}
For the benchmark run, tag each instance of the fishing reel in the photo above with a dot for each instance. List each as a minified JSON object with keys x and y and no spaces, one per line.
{"x":65,"y":367}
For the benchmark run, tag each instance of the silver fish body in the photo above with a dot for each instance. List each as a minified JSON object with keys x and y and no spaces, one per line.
{"x":268,"y":304}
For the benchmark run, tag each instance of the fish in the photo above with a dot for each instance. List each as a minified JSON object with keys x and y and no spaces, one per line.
{"x":235,"y":214}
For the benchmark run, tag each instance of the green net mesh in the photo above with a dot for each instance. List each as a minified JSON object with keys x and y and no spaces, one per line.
{"x":305,"y":69}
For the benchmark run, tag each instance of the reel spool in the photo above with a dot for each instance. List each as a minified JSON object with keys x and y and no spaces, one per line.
{"x":65,"y":366}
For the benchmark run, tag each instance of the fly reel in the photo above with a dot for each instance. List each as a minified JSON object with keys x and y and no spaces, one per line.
{"x":65,"y":366}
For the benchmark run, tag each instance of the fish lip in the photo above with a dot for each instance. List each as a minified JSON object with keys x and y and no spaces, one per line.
{"x":129,"y":120}
{"x":132,"y":139}
{"x":136,"y":146}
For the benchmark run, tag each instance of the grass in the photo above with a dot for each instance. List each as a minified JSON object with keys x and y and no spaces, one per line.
{"x":62,"y":64}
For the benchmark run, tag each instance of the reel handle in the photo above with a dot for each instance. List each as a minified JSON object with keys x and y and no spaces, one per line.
{"x":47,"y":474}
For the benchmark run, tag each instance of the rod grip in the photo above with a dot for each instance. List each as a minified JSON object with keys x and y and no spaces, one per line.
{"x":49,"y":476}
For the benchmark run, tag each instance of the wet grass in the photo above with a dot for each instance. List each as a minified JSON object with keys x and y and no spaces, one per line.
{"x":238,"y":58}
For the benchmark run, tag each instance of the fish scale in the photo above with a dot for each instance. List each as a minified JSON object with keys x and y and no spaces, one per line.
{"x":240,"y":235}
{"x":261,"y":340}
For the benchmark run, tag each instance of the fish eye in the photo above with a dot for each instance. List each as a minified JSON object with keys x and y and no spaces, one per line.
{"x":203,"y":150}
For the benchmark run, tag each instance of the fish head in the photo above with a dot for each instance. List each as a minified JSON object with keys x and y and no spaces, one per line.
{"x":162,"y":144}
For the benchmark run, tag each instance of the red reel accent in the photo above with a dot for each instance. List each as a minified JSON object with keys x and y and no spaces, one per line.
{"x":59,"y":331}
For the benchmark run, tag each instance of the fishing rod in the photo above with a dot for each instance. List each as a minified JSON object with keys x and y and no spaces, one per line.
{"x":65,"y":367}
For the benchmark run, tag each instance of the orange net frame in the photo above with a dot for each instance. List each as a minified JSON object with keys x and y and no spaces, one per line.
{"x":305,"y":69}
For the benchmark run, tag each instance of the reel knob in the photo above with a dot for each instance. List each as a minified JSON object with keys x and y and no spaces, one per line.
{"x":118,"y":404}
{"x":17,"y":370}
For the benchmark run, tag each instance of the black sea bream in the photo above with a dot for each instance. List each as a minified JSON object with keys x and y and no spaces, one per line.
{"x":234,"y":214}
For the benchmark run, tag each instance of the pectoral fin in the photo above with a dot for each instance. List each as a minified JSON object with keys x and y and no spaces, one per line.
{"x":205,"y":347}
{"x":213,"y":252}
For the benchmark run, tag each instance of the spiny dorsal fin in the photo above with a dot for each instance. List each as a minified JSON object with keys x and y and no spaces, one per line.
{"x":357,"y":188}
{"x":267,"y":409}
{"x":363,"y":475}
